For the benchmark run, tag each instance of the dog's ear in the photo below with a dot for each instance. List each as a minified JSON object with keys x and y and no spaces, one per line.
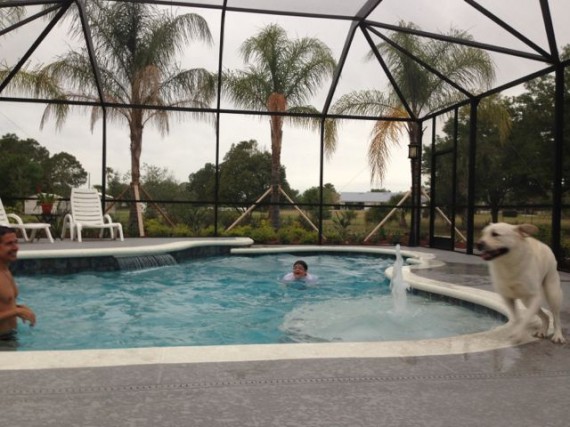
{"x":527,"y":229}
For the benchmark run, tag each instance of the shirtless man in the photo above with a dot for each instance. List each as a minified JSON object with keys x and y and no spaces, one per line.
{"x":9,"y":309}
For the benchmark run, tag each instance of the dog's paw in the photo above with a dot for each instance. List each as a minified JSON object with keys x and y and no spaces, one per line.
{"x":520,"y":334}
{"x":540,"y":334}
{"x":557,"y":338}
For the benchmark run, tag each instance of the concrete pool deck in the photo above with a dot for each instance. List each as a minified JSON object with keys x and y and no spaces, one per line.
{"x":523,"y":385}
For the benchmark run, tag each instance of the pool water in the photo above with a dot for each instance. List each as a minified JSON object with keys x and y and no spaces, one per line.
{"x":232,"y":300}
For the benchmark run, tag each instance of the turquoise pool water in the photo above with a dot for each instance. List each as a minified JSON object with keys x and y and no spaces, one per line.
{"x":232,"y":300}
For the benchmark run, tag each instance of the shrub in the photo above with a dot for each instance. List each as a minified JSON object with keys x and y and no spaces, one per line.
{"x":181,"y":230}
{"x":377,"y":213}
{"x":228,"y":217}
{"x":154,"y":228}
{"x":310,"y":237}
{"x":333,"y":237}
{"x":285,"y":237}
{"x":263,"y":234}
{"x":356,"y":238}
{"x":342,"y":221}
{"x":296,"y":234}
{"x":396,"y":239}
{"x":239,"y":231}
{"x":207,"y":232}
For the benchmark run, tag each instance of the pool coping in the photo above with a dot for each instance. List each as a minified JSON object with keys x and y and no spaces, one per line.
{"x":483,"y":341}
{"x":121,"y":251}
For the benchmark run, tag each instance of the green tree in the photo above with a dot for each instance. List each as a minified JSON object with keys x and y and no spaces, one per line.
{"x":512,"y":169}
{"x":21,"y":166}
{"x":281,"y":76}
{"x":116,"y":184}
{"x":63,"y":172}
{"x":26,"y":168}
{"x":533,"y":131}
{"x":244,"y":176}
{"x":163,"y":185}
{"x":496,"y":176}
{"x":202,"y":184}
{"x":136,"y":46}
{"x":161,"y":182}
{"x":313,"y":196}
{"x":245,"y":173}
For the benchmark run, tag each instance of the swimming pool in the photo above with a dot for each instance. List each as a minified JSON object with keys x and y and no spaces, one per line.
{"x":231,"y":300}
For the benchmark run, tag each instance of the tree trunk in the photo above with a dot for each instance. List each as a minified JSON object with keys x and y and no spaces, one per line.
{"x":276,"y":141}
{"x":136,"y":225}
{"x":494,"y":214}
{"x":276,"y":103}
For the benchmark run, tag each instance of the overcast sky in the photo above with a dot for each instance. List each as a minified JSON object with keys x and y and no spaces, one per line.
{"x":190,"y":144}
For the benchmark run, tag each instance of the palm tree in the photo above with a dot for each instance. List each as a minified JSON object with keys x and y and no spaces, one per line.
{"x":136,"y":47}
{"x":281,"y":76}
{"x":10,"y":15}
{"x":423,"y":91}
{"x":24,"y":81}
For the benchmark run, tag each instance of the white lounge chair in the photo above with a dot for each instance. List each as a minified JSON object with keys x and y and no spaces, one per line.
{"x":22,"y":226}
{"x":86,"y":212}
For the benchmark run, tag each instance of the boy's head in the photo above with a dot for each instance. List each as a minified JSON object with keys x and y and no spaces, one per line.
{"x":300,"y":269}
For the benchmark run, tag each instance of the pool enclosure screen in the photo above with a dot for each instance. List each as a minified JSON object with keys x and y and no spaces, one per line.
{"x":314,"y":121}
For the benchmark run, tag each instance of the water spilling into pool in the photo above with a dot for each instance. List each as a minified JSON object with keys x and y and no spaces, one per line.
{"x":233,"y":300}
{"x":142,"y":262}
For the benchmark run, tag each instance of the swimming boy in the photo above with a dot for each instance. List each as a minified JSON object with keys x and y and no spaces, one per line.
{"x":300,"y":272}
{"x":300,"y":269}
{"x":10,"y":311}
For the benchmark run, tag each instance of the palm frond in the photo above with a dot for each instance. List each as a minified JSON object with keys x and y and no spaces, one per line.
{"x":265,"y":47}
{"x":493,"y":110}
{"x":365,"y":103}
{"x":384,"y":134}
{"x":73,"y":70}
{"x":136,"y":46}
{"x":311,"y":120}
{"x":424,"y":91}
{"x":11,"y":15}
{"x":32,"y":82}
{"x":198,"y":85}
{"x":248,"y":90}
{"x":308,"y":63}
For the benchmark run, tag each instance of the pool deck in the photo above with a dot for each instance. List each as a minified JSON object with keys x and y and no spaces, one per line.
{"x":525,"y":385}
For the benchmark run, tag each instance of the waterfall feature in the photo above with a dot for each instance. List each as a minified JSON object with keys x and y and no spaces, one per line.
{"x":145,"y":261}
{"x":397,"y":283}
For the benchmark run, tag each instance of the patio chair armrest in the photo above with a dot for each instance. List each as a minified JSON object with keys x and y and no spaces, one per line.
{"x":66,"y":224}
{"x":68,"y":219}
{"x":107,"y":219}
{"x":15,"y":218}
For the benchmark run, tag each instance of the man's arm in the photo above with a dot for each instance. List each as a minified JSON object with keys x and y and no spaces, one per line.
{"x":21,"y":311}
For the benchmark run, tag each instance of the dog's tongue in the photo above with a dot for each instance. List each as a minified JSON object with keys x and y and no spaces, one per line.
{"x":486,"y":256}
